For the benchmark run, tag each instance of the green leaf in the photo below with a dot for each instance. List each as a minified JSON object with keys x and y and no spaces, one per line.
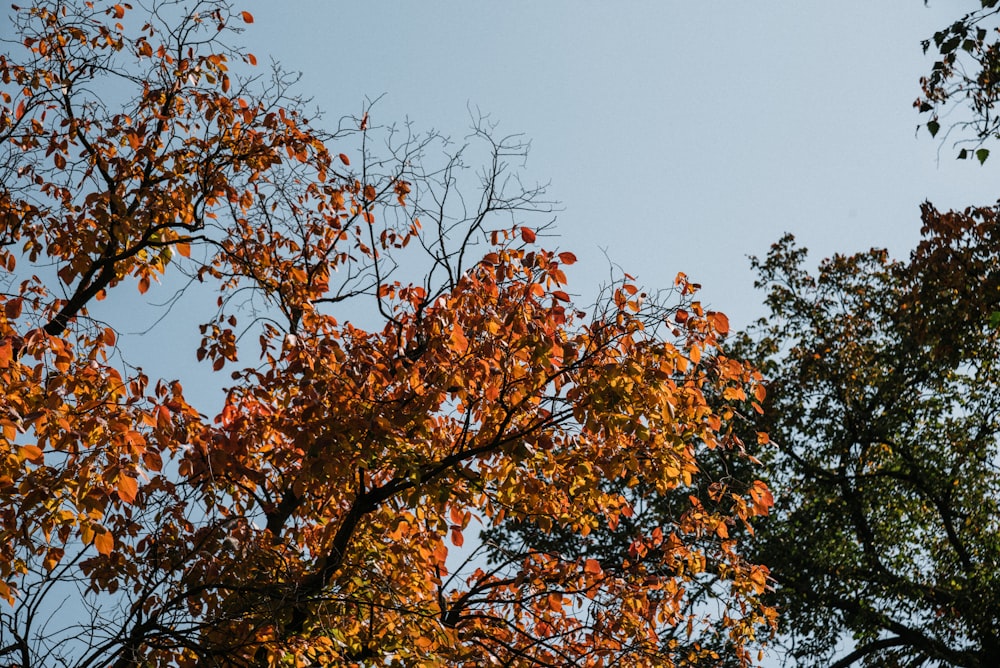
{"x":933,"y":127}
{"x":982,"y":154}
{"x":963,"y":154}
{"x":995,"y":320}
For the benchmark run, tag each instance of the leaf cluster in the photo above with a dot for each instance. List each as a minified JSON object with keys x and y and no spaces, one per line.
{"x":884,"y":408}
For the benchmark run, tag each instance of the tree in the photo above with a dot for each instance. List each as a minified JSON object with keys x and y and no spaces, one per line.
{"x":658,"y":512}
{"x":309,"y":522}
{"x":884,"y":409}
{"x":964,"y":82}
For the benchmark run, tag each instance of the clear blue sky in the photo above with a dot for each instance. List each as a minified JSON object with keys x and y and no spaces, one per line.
{"x":678,"y":136}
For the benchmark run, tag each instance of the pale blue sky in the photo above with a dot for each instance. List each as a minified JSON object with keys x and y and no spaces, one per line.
{"x":678,"y":136}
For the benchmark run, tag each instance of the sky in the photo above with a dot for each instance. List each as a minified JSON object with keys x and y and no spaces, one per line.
{"x":676,"y":136}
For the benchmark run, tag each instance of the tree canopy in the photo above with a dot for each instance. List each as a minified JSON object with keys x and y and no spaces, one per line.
{"x":315,"y":518}
{"x":884,"y":409}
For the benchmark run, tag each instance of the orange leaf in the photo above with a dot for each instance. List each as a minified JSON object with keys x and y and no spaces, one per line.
{"x":695,"y":354}
{"x":456,"y":537}
{"x":104,"y":542}
{"x":720,"y":322}
{"x":567,"y":258}
{"x":127,"y":488}
{"x":761,"y":496}
{"x":344,"y":159}
{"x":593,"y":567}
{"x":32,"y":453}
{"x":458,"y":341}
{"x":247,"y":17}
{"x":528,"y":235}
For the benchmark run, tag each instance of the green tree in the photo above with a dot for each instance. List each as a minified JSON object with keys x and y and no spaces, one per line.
{"x":963,"y":85}
{"x":884,"y":412}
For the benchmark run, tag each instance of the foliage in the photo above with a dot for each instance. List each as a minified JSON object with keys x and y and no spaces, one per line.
{"x":720,"y":473}
{"x":309,"y":522}
{"x":964,"y":82}
{"x":884,"y":406}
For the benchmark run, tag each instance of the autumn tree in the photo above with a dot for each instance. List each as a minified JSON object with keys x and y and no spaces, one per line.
{"x":884,"y":410}
{"x":314,"y":520}
{"x":657,"y":514}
